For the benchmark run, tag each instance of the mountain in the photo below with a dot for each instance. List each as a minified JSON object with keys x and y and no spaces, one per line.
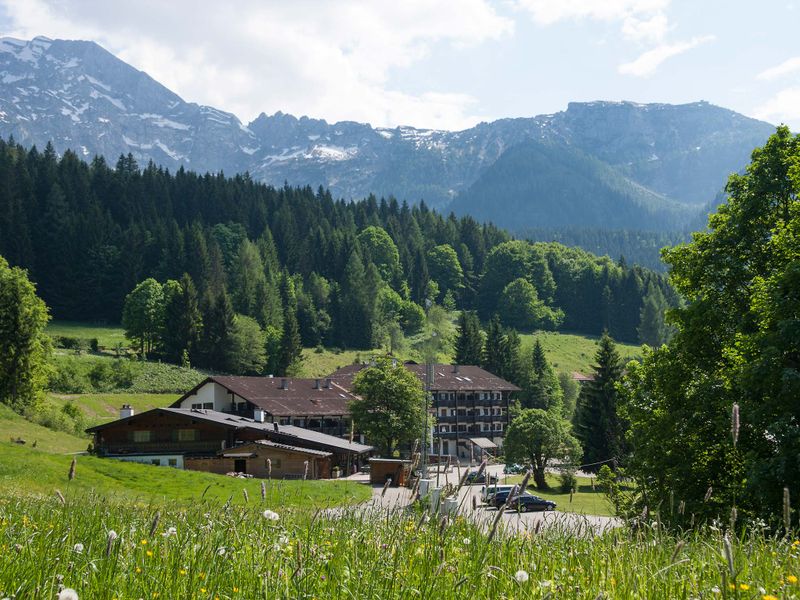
{"x":644,"y":160}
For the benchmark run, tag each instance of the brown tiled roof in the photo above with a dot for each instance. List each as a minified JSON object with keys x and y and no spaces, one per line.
{"x":302,"y":397}
{"x":456,"y":378}
{"x":271,"y":444}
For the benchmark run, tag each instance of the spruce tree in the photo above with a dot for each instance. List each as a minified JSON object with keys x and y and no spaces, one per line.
{"x":291,"y":349}
{"x":493,"y":349}
{"x":469,"y":343}
{"x":218,"y":317}
{"x":183,"y":322}
{"x":597,"y":424}
{"x":653,"y":329}
{"x":542,"y":388}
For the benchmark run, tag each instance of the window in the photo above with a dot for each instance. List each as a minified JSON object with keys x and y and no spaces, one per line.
{"x":172,"y":462}
{"x":462,"y":427}
{"x":143,"y":435}
{"x":187,"y":435}
{"x":443,"y":412}
{"x":444,"y":428}
{"x":452,"y":412}
{"x":241,"y":406}
{"x":197,"y":405}
{"x":462,"y":412}
{"x":156,"y":462}
{"x":276,"y":463}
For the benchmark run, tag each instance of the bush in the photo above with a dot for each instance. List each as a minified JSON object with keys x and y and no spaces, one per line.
{"x":567,"y":479}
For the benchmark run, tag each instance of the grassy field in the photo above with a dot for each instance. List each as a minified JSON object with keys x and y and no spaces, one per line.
{"x":107,"y":336}
{"x":29,"y":470}
{"x":105,"y":550}
{"x":15,"y":426}
{"x":99,"y":408}
{"x":570,"y":352}
{"x":585,"y":500}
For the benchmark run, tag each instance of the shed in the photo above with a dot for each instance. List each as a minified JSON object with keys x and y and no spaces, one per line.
{"x":263,"y":458}
{"x":382,"y":469}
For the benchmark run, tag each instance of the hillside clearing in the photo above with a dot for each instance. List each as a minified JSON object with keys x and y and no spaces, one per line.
{"x":570,"y":352}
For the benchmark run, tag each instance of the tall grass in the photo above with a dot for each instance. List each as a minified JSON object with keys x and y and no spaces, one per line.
{"x":215,"y":550}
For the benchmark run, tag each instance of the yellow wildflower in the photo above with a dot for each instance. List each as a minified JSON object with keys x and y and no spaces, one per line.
{"x":235,"y":589}
{"x":149,"y":553}
{"x":744,"y":587}
{"x":769,"y":597}
{"x":144,"y":542}
{"x":791,"y":578}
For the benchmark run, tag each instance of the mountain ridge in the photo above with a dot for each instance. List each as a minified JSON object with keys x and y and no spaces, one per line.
{"x":82,"y":97}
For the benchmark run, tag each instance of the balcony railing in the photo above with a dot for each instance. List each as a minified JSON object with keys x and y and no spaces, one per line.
{"x":206,"y":446}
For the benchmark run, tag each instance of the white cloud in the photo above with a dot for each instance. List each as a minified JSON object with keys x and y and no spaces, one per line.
{"x":648,"y":62}
{"x":785,"y":68}
{"x":783,"y":107}
{"x":642,"y":20}
{"x":323,"y":59}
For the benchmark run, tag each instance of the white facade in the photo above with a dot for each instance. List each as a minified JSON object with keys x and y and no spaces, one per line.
{"x":211,"y":396}
{"x":159,"y":460}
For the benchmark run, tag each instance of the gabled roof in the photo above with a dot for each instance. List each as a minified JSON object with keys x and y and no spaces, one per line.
{"x":284,"y":396}
{"x":455,"y":378}
{"x":273,"y":431}
{"x":277,"y":446}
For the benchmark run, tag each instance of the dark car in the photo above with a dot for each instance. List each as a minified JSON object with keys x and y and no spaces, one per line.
{"x":478,"y":477}
{"x":513,"y":469}
{"x":524,"y":503}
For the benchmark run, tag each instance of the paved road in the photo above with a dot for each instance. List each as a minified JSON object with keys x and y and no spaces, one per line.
{"x":400,"y":498}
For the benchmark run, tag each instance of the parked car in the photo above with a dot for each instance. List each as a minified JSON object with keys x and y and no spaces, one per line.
{"x":488,"y":491}
{"x":524,"y":503}
{"x":478,"y":477}
{"x":513,"y":469}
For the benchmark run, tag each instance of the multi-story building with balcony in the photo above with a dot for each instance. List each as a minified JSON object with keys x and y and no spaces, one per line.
{"x":470,"y":406}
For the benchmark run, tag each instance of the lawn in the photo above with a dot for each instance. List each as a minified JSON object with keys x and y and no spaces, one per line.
{"x":107,"y":336}
{"x":570,"y":352}
{"x":31,"y":470}
{"x":585,"y":500}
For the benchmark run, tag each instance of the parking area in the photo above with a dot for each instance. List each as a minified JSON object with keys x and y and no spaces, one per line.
{"x":470,"y":506}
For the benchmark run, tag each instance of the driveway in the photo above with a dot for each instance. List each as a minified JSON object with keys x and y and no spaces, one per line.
{"x":399,"y":498}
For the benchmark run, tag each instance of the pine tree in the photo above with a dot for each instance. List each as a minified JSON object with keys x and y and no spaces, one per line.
{"x":291,"y":349}
{"x":183,"y":322}
{"x":653,"y":329}
{"x":469,"y":343}
{"x":597,"y":423}
{"x":542,"y":388}
{"x":218,"y":317}
{"x":493,"y":349}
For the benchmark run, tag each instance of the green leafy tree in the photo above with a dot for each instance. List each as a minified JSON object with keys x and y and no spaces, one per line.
{"x":143,"y":314}
{"x":392,"y":407}
{"x":469,"y":340}
{"x":598,"y":424}
{"x":537,"y":437}
{"x":736,"y":342}
{"x":24,"y":346}
{"x":247,"y":352}
{"x":444,"y":269}
{"x":521,"y":307}
{"x":653,"y":328}
{"x":377,"y":247}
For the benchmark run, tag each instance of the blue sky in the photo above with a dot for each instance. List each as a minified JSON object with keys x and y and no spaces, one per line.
{"x":441,"y":63}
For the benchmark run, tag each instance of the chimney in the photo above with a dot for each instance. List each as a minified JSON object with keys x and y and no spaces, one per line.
{"x":328,"y":383}
{"x":258,"y":415}
{"x":284,"y":383}
{"x":126,"y":411}
{"x":275,"y":427}
{"x":316,"y":384}
{"x":455,"y":368}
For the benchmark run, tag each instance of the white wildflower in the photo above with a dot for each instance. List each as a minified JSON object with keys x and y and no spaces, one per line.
{"x":68,"y":594}
{"x":112,"y":535}
{"x":467,"y":541}
{"x":272,"y":516}
{"x":521,"y":576}
{"x":546,"y":583}
{"x":715,"y":590}
{"x":221,"y":551}
{"x":170,"y":532}
{"x":78,"y":548}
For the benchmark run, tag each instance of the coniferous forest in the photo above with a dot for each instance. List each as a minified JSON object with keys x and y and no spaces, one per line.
{"x":216,"y":251}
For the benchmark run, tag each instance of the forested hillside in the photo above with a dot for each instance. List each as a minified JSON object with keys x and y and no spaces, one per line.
{"x":335,"y":273}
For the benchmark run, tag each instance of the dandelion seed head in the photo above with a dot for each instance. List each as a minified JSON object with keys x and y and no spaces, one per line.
{"x":270,"y":515}
{"x":112,"y":535}
{"x":521,"y":576}
{"x":68,"y":594}
{"x":78,"y":548}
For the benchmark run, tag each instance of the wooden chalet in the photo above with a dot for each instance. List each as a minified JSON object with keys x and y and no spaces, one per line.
{"x":316,"y":404}
{"x":209,"y":440}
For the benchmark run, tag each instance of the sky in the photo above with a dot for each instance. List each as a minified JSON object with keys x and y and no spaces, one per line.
{"x":445,"y":64}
